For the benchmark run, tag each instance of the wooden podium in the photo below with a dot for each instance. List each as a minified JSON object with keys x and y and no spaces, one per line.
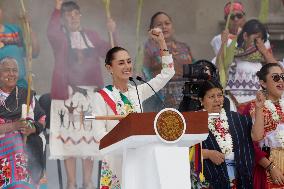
{"x":147,"y":162}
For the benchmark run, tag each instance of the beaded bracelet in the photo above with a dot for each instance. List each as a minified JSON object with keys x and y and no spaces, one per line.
{"x":271,"y":166}
{"x":165,"y":50}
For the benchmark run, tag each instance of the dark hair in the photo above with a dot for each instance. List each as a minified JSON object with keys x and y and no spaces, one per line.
{"x":110,"y":54}
{"x":208,"y":85}
{"x":69,"y":6}
{"x":263,"y":72}
{"x":154,"y":17}
{"x":252,"y":27}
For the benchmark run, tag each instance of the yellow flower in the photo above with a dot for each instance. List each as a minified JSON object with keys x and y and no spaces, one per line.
{"x":128,"y":108}
{"x":105,"y":181}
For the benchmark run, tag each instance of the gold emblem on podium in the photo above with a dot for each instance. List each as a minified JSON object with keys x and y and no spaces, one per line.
{"x":169,"y":125}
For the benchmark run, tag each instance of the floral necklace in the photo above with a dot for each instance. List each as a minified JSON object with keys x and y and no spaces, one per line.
{"x":124,"y":105}
{"x":220,"y":129}
{"x":269,"y":105}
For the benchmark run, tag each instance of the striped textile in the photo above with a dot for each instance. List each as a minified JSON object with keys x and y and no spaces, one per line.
{"x":13,"y":163}
{"x":217,"y":175}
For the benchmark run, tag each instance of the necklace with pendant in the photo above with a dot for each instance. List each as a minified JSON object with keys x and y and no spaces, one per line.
{"x":17,"y":102}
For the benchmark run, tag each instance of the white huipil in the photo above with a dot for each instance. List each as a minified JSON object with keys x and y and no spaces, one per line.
{"x":101,"y":108}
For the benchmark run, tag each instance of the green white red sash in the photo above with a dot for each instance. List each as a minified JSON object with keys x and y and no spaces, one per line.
{"x":106,"y":93}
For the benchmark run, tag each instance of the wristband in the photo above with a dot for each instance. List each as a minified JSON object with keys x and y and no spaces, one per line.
{"x":164,"y":50}
{"x":267,"y":167}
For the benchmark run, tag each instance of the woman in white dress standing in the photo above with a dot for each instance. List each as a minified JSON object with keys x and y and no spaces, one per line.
{"x":121,"y":98}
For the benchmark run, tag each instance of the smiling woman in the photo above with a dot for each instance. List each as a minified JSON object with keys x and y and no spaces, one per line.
{"x":16,"y":169}
{"x":121,"y":98}
{"x":76,"y":75}
{"x":271,"y":78}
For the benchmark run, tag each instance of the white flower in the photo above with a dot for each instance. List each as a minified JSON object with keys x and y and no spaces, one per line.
{"x":225,"y":143}
{"x":277,"y":118}
{"x":271,"y":107}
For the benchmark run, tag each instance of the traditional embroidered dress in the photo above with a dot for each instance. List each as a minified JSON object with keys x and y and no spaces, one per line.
{"x":172,"y":92}
{"x":77,"y":64}
{"x":273,"y":135}
{"x":110,"y":101}
{"x":14,"y":164}
{"x":242,"y":80}
{"x":236,"y":171}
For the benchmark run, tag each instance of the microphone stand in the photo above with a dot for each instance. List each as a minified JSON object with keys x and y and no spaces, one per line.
{"x":142,"y":80}
{"x":131,"y":79}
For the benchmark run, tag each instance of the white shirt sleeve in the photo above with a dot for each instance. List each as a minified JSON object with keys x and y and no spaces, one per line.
{"x":99,"y":109}
{"x":160,"y":80}
{"x":216,"y":44}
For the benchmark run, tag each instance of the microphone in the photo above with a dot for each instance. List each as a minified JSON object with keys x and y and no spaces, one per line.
{"x":142,"y":80}
{"x":131,"y":79}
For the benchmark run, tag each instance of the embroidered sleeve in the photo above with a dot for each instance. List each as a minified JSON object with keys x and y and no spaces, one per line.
{"x":160,"y":80}
{"x":167,"y":61}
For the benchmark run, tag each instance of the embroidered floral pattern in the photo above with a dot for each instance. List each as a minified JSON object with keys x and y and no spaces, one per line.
{"x":220,"y":129}
{"x":123,"y":108}
{"x":20,"y":172}
{"x":108,"y":179}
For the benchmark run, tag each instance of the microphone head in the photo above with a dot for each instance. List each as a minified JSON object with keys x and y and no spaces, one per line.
{"x":131,"y":79}
{"x":139,"y":78}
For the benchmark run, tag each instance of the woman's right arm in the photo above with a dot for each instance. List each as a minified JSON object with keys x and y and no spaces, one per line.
{"x":257,"y":115}
{"x":215,"y":156}
{"x":268,"y":56}
{"x":99,"y":109}
{"x":275,"y":173}
{"x":224,"y":41}
{"x":167,"y":64}
{"x":54,"y":29}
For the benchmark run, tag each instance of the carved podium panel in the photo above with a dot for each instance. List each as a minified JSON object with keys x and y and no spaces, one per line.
{"x":149,"y":163}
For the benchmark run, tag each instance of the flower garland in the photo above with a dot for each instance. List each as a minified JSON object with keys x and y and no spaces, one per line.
{"x":220,"y":129}
{"x":121,"y":108}
{"x":268,"y":104}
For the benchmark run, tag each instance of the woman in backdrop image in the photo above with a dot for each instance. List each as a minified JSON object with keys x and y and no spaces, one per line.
{"x":250,"y":54}
{"x":228,"y":150}
{"x":12,"y":44}
{"x":121,"y":98}
{"x":171,"y":94}
{"x":271,"y":78}
{"x":20,"y":162}
{"x":76,"y":76}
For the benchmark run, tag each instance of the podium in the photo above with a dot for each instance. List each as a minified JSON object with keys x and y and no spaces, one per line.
{"x":147,"y":162}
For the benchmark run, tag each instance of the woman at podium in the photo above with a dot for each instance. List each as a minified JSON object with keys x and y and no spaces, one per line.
{"x":122,"y":98}
{"x":228,"y":151}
